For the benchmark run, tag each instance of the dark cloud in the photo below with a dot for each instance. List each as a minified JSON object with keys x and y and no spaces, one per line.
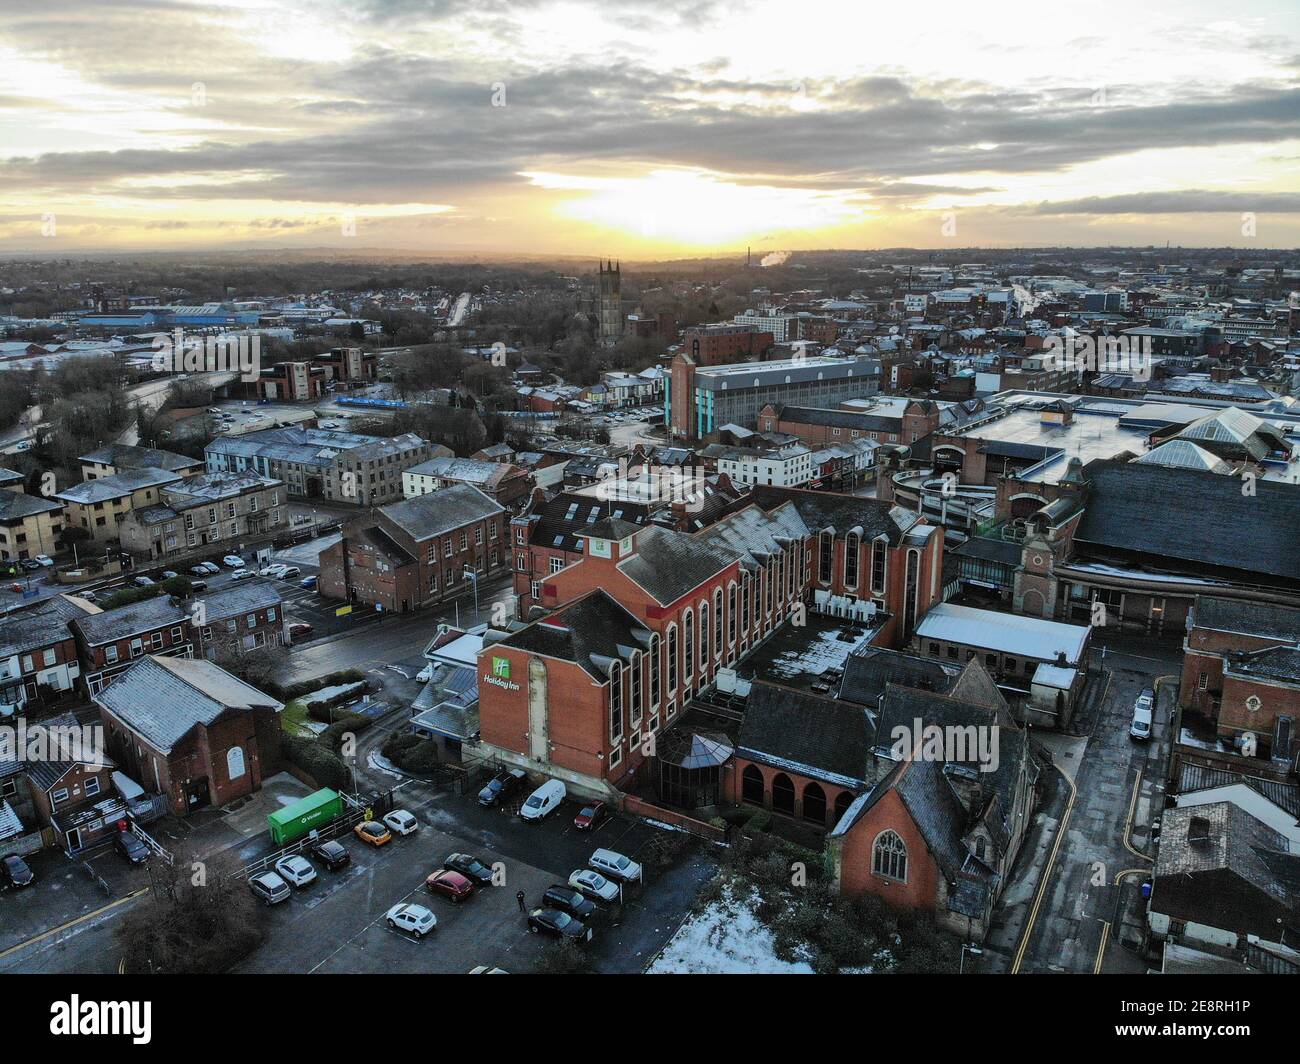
{"x":1184,"y":201}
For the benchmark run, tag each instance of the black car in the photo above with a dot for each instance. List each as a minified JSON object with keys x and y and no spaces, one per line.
{"x":130,"y":847}
{"x":469,"y":866}
{"x":563,"y":897}
{"x":505,"y":782}
{"x":14,"y":872}
{"x":558,"y":925}
{"x":333,"y":855}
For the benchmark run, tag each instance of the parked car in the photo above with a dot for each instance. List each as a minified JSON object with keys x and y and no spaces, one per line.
{"x":296,"y":869}
{"x":426,"y":673}
{"x":15,"y":872}
{"x":615,"y":865}
{"x":372,"y":832}
{"x":566,"y":899}
{"x":309,"y":582}
{"x":299,"y":629}
{"x":558,"y":925}
{"x":333,"y":855}
{"x":591,"y":816}
{"x":242,"y":574}
{"x":233,"y":561}
{"x":274,"y":569}
{"x":415,"y":919}
{"x":170,"y":574}
{"x":142,"y":581}
{"x":199,"y":570}
{"x":89,"y":596}
{"x":128,"y":844}
{"x":469,"y":866}
{"x":450,"y":884}
{"x":198,"y":585}
{"x":44,"y":560}
{"x":400,"y":822}
{"x":30,"y":564}
{"x":593,"y":885}
{"x":543,"y":801}
{"x":1143,"y":714}
{"x":290,"y":571}
{"x":500,"y":786}
{"x":211,"y":568}
{"x":269,"y":887}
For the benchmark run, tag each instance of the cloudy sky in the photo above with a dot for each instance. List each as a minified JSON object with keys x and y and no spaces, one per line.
{"x":646,"y":127}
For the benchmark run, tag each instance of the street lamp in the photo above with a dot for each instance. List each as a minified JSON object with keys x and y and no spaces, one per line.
{"x":472,"y":575}
{"x":974,"y":951}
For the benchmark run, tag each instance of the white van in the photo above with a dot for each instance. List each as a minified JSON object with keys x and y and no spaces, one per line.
{"x":1143,"y":711}
{"x":544,"y":801}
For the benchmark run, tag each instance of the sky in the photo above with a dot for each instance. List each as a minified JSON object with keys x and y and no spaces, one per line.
{"x":646,"y":128}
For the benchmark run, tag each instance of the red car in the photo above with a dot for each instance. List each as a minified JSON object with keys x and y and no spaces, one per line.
{"x":591,"y":816}
{"x":299,"y":629}
{"x":452,"y":884}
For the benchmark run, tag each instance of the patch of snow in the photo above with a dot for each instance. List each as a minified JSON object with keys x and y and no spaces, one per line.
{"x":338,"y":690}
{"x":726,"y":938}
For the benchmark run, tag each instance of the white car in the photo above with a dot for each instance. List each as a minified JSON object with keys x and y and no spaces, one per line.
{"x":593,"y":885}
{"x":425,"y":674}
{"x":413,"y":918}
{"x":45,"y":560}
{"x":242,"y":574}
{"x":400,"y":822}
{"x":615,"y":865}
{"x":269,"y":887}
{"x":296,"y":869}
{"x":275,"y":569}
{"x":233,"y":561}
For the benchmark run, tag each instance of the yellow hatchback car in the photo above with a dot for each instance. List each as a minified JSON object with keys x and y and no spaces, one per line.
{"x":372,"y":832}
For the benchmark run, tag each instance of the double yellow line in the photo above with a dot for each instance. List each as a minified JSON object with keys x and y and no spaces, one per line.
{"x":73,"y":923}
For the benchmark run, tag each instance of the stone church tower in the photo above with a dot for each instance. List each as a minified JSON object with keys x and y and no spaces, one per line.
{"x":611,"y":303}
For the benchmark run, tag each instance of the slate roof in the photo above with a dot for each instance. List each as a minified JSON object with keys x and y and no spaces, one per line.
{"x":16,"y":505}
{"x":242,"y":597}
{"x":1192,"y":778}
{"x":849,"y":419}
{"x":1002,"y":551}
{"x":126,"y":456}
{"x":1247,"y":618}
{"x":163,"y":699}
{"x":132,"y":619}
{"x":1192,"y":517}
{"x":480,"y":473}
{"x":821,"y":510}
{"x":867,"y":672}
{"x":807,"y":733}
{"x":40,"y":626}
{"x":553,"y":526}
{"x":426,"y":516}
{"x":116,"y":486}
{"x":591,"y":632}
{"x":1276,"y":663}
{"x":669,"y":564}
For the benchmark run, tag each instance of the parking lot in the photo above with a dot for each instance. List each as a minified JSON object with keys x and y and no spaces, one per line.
{"x":337,"y":924}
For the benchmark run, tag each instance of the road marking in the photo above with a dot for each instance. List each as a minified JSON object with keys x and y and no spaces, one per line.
{"x":1101,"y":948}
{"x":1128,"y":823}
{"x":1047,"y":876}
{"x":73,"y":923}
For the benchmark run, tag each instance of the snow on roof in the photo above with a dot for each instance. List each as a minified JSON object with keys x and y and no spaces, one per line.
{"x":1026,"y":637}
{"x":1055,"y":676}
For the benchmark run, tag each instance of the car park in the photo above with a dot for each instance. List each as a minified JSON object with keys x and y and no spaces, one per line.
{"x":233,"y":561}
{"x":211,"y":568}
{"x":593,"y":885}
{"x":372,"y":832}
{"x":275,"y":569}
{"x":296,"y":869}
{"x":198,"y":570}
{"x":269,"y":887}
{"x":501,"y":786}
{"x":566,"y":899}
{"x":15,"y":872}
{"x":558,"y":925}
{"x":543,"y":801}
{"x":470,"y":867}
{"x":415,"y":919}
{"x":332,"y":854}
{"x":308,"y":582}
{"x":591,"y":816}
{"x":615,"y":866}
{"x":450,"y":884}
{"x":400,"y":822}
{"x":1143,"y":715}
{"x":128,"y":844}
{"x":143,"y":581}
{"x":170,"y":574}
{"x":198,"y":585}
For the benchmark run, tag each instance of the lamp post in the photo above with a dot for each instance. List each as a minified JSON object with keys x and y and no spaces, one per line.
{"x":472,"y":576}
{"x":974,"y":951}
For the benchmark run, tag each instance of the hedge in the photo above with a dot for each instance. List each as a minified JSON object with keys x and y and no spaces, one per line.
{"x":318,"y":761}
{"x":288,"y":692}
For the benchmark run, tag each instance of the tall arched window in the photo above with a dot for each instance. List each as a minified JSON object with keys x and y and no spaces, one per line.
{"x":826,"y":549}
{"x":653,"y":653}
{"x":751,"y":785}
{"x":889,"y":856}
{"x":814,"y":803}
{"x":634,"y":685}
{"x":782,"y":794}
{"x":672,"y":660}
{"x":731,"y":612}
{"x":704,"y":634}
{"x":879,"y":556}
{"x":746,"y":589}
{"x":615,"y":702}
{"x":852,"y":548}
{"x":688,"y":648}
{"x":717,"y":621}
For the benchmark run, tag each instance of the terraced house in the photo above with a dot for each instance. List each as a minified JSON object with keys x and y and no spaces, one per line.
{"x":100,"y":505}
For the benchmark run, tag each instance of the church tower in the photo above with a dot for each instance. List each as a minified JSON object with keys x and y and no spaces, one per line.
{"x":611,"y":303}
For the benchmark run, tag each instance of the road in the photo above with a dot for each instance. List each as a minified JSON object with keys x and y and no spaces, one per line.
{"x":1093,"y":827}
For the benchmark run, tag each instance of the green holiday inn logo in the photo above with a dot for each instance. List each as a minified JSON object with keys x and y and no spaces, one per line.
{"x":501,"y":668}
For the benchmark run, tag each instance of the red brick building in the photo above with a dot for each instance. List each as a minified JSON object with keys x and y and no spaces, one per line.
{"x":716,"y":345}
{"x":411,"y":554}
{"x":190,"y":730}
